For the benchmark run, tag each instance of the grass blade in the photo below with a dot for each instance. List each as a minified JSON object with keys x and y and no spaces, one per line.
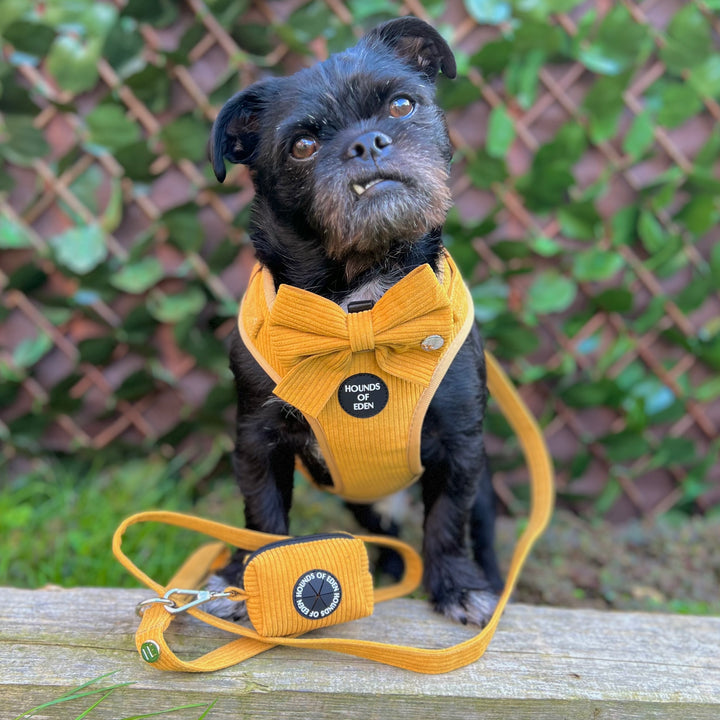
{"x":209,"y":708}
{"x":73,"y":696}
{"x":94,"y":705}
{"x":90,"y":682}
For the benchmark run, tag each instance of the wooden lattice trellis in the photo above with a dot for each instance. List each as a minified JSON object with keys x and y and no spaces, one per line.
{"x":102,"y":412}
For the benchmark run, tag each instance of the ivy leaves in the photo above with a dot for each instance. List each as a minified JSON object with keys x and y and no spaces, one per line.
{"x":596,"y":202}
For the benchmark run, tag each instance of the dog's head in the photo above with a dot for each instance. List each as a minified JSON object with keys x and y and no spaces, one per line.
{"x":352,"y":153}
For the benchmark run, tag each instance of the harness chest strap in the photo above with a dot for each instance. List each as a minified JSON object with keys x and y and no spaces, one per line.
{"x":156,"y":619}
{"x":362,"y":380}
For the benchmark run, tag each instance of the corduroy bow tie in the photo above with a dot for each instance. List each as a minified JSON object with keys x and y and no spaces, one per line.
{"x":314,"y":338}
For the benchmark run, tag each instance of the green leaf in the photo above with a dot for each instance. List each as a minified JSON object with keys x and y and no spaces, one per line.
{"x":72,"y":61}
{"x":457,"y":94}
{"x":596,"y":264}
{"x":705,"y":78}
{"x":698,"y":288}
{"x":640,"y":136}
{"x":618,"y":300}
{"x":363,"y":9}
{"x":625,"y":446}
{"x":111,"y":128}
{"x":13,"y":235}
{"x":136,"y":160}
{"x":123,"y":46}
{"x":31,"y":38}
{"x":678,"y":103}
{"x":151,"y":85}
{"x":136,"y":386}
{"x":158,"y":13}
{"x":699,"y":214}
{"x":27,"y":352}
{"x":580,"y":220}
{"x":536,"y":34}
{"x":619,"y":44}
{"x":254,"y":38}
{"x":551,"y":292}
{"x":176,"y":307}
{"x":485,"y":170}
{"x":512,"y":338}
{"x":97,"y":351}
{"x":654,"y":237}
{"x":547,"y":184}
{"x":500,"y":133}
{"x":605,"y":105}
{"x":545,"y":246}
{"x":113,"y":213}
{"x":12,"y":10}
{"x":492,"y":58}
{"x":491,"y":12}
{"x":591,"y":393}
{"x":304,"y":25}
{"x":624,"y":224}
{"x":80,"y":249}
{"x":708,"y":391}
{"x":545,"y":190}
{"x":186,"y":138}
{"x":490,"y":299}
{"x":24,"y":142}
{"x":522,"y":77}
{"x":138,"y":277}
{"x":184,"y":228}
{"x":689,"y":39}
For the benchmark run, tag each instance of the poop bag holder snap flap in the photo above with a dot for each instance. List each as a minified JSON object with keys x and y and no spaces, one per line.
{"x":303,"y":584}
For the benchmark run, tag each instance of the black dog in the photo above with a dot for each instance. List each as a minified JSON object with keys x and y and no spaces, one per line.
{"x":350,"y":161}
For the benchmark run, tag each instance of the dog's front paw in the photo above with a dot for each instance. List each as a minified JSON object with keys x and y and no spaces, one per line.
{"x":223,"y":607}
{"x":475,"y":607}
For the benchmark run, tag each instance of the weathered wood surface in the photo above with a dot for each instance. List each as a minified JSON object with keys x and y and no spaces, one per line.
{"x":544,"y":663}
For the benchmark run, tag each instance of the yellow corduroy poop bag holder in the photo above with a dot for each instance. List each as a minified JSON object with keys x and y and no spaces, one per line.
{"x":295,"y":585}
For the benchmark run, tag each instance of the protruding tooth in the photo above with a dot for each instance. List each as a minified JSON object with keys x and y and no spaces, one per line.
{"x":359,"y":189}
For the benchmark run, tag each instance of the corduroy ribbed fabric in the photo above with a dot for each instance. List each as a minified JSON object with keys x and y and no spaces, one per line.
{"x":362,"y":380}
{"x":424,"y":660}
{"x":275,"y":577}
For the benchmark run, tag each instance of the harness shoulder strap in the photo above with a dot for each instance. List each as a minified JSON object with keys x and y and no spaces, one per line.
{"x":156,"y":619}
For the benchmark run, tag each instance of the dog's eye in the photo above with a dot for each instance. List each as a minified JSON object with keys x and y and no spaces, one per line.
{"x":304,"y":148}
{"x":401,"y":107}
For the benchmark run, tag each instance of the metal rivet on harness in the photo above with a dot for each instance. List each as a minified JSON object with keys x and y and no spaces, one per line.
{"x":432,"y":342}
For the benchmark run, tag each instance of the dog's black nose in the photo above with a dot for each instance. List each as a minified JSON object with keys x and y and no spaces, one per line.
{"x":369,"y":145}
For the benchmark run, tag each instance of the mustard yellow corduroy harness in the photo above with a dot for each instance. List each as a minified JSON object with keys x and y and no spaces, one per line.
{"x":293,"y":585}
{"x":363,"y":380}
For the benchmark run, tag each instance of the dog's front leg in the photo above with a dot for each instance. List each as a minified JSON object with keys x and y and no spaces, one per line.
{"x":264,"y":467}
{"x":456,"y":584}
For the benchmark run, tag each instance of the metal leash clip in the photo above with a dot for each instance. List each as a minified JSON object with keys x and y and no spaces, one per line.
{"x":200,"y":597}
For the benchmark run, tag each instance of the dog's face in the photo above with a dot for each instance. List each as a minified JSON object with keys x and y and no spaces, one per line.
{"x":351,"y":154}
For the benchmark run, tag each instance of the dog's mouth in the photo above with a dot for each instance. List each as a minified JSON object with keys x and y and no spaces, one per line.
{"x":375,"y":184}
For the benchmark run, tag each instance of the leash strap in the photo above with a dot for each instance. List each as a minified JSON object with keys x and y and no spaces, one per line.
{"x":150,"y":640}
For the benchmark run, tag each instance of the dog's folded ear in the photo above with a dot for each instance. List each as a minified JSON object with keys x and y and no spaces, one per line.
{"x":418,"y":44}
{"x":234,"y":135}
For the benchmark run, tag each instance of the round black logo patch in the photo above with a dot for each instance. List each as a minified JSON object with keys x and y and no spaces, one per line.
{"x":363,"y":395}
{"x":317,"y":594}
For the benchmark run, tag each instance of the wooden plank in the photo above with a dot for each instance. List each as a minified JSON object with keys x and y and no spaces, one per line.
{"x":544,"y":663}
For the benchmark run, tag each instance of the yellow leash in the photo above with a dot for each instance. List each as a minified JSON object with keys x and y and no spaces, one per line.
{"x":159,"y":613}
